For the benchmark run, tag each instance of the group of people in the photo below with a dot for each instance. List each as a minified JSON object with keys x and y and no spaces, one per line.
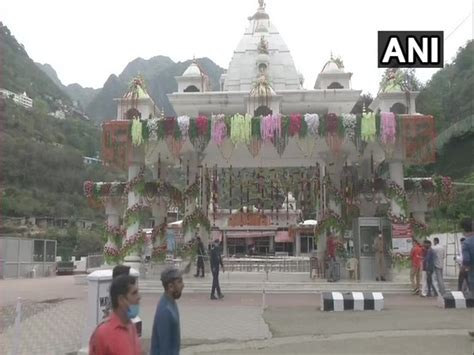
{"x":427,"y":263}
{"x":117,"y":334}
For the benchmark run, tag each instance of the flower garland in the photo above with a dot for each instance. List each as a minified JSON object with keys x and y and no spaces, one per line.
{"x":368,"y":127}
{"x":114,"y":233}
{"x":112,"y":254}
{"x":330,"y":220}
{"x":183,"y":124}
{"x":197,"y":218}
{"x":159,"y":253}
{"x":137,"y":180}
{"x":219,"y":131}
{"x":241,"y":129}
{"x":132,"y":214}
{"x":399,"y":260}
{"x":295,"y":124}
{"x":396,"y":192}
{"x":135,"y":241}
{"x":349,"y":121}
{"x":137,"y":137}
{"x":389,"y":131}
{"x":312,"y":121}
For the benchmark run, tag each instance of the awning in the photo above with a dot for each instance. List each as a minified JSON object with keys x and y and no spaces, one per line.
{"x":283,"y":237}
{"x":245,"y":234}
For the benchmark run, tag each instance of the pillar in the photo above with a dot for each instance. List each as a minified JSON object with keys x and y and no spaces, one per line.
{"x":159,"y":209}
{"x":191,"y":171}
{"x":396,"y":175}
{"x":113,"y":211}
{"x":298,"y":244}
{"x":205,"y":236}
{"x":224,"y":238}
{"x":137,"y":160}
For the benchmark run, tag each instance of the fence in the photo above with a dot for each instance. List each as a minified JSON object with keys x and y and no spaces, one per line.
{"x":21,"y":257}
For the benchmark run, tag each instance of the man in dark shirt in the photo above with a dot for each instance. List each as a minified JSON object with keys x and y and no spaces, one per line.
{"x":166,"y":333}
{"x":468,"y":252}
{"x":216,"y":261}
{"x":428,"y":266}
{"x":200,"y":257}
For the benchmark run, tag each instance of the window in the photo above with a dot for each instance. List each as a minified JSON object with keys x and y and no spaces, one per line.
{"x":307,"y":244}
{"x":262,"y":111}
{"x":335,"y":85}
{"x":38,"y":250}
{"x":191,"y":88}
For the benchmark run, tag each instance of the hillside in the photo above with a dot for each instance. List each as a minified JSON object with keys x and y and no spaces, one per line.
{"x":21,"y":74}
{"x":159,"y":73}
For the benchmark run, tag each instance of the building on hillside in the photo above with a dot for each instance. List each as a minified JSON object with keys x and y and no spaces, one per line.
{"x":19,"y":99}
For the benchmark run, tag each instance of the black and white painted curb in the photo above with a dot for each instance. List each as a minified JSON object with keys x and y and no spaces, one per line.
{"x":351,"y":301}
{"x":456,"y":299}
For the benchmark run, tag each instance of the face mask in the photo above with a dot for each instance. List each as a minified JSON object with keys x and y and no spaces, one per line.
{"x":133,"y":310}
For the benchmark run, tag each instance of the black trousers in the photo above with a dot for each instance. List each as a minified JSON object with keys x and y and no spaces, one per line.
{"x":200,"y":265}
{"x":215,"y":282}
{"x":461,"y":278}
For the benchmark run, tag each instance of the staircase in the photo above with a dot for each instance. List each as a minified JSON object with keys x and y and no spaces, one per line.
{"x":256,"y":282}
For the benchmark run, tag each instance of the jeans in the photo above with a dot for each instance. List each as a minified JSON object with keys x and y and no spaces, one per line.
{"x":429,"y":281}
{"x":332,"y":269}
{"x":215,"y":282}
{"x":438,"y":273}
{"x":463,"y":277}
{"x":200,"y":266}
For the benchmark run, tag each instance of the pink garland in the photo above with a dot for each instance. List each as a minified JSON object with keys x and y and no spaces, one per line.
{"x":271,"y":126}
{"x":389,"y":129}
{"x":219,"y":131}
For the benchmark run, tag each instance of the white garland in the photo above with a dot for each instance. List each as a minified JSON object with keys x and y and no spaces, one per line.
{"x":153,"y":128}
{"x":312,"y":120}
{"x":349,"y":121}
{"x":183,"y":124}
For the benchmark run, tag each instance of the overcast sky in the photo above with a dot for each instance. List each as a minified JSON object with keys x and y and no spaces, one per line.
{"x":87,"y":40}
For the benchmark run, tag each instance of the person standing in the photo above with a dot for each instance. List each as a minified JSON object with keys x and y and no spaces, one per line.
{"x":468,"y":252}
{"x":117,"y":334}
{"x":331,"y":257}
{"x":201,"y":252}
{"x":440,"y":254}
{"x":462,"y":276}
{"x":166,"y":332}
{"x":416,"y":255}
{"x":428,"y":266}
{"x":216,"y":261}
{"x":379,"y":257}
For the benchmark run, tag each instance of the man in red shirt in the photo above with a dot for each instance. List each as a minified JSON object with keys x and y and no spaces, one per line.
{"x":117,"y":334}
{"x":416,"y":255}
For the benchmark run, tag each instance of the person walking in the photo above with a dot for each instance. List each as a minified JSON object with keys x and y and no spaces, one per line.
{"x":117,"y":334}
{"x":379,"y":257}
{"x":428,"y":266}
{"x":416,"y":255}
{"x":201,"y":252}
{"x":331,"y":257}
{"x":440,"y":254}
{"x":216,"y":261}
{"x":463,"y":282}
{"x":166,"y":332}
{"x":468,"y":252}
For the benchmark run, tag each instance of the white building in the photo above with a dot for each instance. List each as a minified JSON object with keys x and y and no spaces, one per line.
{"x":19,"y":99}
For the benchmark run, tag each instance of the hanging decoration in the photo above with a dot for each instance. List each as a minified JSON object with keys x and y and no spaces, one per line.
{"x":199,"y":133}
{"x":183,"y":124}
{"x":196,"y":219}
{"x":330,"y":220}
{"x":116,"y":143}
{"x":219,"y":131}
{"x":419,"y":139}
{"x":241,"y":128}
{"x":349,"y":121}
{"x":388,"y":127}
{"x":137,"y":137}
{"x":312,"y":121}
{"x":333,"y":138}
{"x":397,"y":193}
{"x":295,"y":124}
{"x":368,"y":127}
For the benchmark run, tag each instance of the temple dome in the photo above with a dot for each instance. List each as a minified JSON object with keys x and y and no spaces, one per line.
{"x":243,"y":71}
{"x":192,"y":70}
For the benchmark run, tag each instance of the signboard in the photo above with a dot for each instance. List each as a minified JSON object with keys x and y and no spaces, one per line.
{"x":402,"y":235}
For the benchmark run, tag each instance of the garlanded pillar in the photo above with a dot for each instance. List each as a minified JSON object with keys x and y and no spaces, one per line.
{"x":135,"y":206}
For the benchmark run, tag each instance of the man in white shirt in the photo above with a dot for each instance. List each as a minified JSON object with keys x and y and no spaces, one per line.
{"x":440,"y":254}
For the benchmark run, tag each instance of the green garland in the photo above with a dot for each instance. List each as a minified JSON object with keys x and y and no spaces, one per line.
{"x":196,"y":219}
